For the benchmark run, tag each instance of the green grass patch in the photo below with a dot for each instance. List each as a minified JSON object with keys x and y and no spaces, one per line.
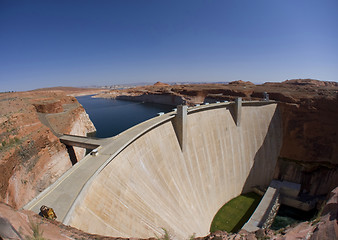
{"x":235,"y":213}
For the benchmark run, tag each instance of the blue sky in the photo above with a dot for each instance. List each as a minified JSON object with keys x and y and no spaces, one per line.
{"x":80,"y":43}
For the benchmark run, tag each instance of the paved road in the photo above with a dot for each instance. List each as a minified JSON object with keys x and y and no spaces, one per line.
{"x":62,"y":194}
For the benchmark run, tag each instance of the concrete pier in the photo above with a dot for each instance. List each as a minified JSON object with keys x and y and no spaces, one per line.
{"x":80,"y":141}
{"x":263,"y":213}
{"x":180,"y":125}
{"x":238,"y":111}
{"x":279,"y":192}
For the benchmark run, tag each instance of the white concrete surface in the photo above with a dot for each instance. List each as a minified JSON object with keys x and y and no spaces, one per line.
{"x":151,"y":184}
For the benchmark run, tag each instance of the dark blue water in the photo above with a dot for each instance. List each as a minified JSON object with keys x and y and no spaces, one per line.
{"x":112,"y":117}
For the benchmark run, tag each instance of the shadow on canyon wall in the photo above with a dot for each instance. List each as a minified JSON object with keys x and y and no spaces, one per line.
{"x":316,"y":178}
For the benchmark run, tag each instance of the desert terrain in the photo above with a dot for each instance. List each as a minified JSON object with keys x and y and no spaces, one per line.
{"x":32,"y":157}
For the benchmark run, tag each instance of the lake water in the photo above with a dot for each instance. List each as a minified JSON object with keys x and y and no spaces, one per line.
{"x":111,"y":116}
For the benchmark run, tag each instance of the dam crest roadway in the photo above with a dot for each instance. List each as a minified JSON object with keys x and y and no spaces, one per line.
{"x":173,"y":171}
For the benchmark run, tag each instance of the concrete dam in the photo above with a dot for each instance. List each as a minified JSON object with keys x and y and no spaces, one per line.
{"x":174,"y":171}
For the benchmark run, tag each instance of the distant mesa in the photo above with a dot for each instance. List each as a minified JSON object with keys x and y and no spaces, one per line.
{"x":60,"y":89}
{"x":240,"y":82}
{"x":161,"y":84}
{"x":310,"y":82}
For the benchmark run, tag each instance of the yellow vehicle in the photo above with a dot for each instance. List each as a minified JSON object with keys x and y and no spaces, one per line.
{"x":47,"y":212}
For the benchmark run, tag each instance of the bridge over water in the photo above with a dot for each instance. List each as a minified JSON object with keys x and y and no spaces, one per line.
{"x":173,"y":171}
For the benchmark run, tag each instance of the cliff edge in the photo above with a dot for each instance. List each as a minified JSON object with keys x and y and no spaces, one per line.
{"x":32,"y":157}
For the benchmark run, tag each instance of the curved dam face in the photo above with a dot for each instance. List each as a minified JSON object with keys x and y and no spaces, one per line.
{"x":151,"y":184}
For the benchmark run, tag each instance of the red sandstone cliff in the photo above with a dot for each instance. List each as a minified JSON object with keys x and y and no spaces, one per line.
{"x":32,"y":157}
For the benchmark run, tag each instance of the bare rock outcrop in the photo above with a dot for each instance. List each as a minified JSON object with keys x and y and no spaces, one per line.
{"x":161,"y":84}
{"x":327,"y":227}
{"x":19,"y":224}
{"x":241,"y":82}
{"x":311,"y":82}
{"x":32,"y":157}
{"x":49,"y":106}
{"x":309,"y":154}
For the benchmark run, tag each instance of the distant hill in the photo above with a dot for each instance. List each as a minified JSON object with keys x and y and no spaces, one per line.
{"x":69,"y":89}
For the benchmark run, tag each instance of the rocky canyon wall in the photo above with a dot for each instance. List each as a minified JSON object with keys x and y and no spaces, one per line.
{"x":32,"y":157}
{"x":309,"y":154}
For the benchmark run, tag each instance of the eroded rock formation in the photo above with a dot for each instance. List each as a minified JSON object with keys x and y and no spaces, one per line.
{"x":19,"y":224}
{"x":32,"y":157}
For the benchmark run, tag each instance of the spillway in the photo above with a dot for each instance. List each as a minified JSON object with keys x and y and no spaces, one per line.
{"x":152,"y":184}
